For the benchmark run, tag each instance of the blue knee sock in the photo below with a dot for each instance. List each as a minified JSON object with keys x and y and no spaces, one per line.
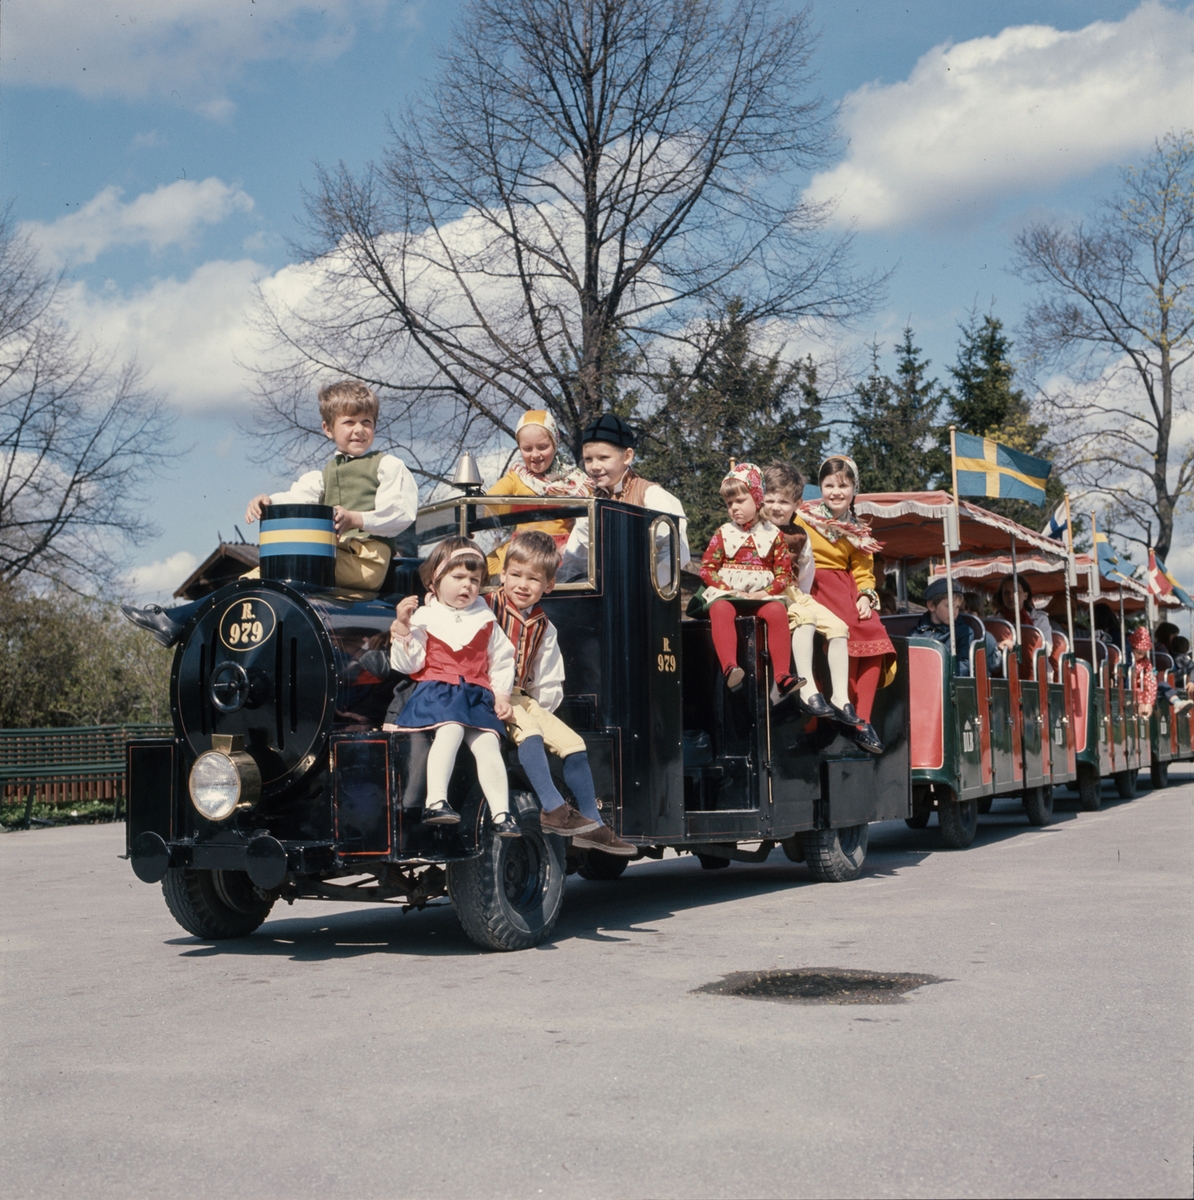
{"x":580,"y":783}
{"x":533,"y":758}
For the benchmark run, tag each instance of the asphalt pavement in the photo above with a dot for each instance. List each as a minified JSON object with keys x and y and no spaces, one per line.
{"x":356,"y":1052}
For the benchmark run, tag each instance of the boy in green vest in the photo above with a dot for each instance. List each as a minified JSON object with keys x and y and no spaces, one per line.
{"x":372,"y":493}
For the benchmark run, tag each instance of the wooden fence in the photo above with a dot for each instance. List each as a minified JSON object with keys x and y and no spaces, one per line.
{"x":62,"y":767}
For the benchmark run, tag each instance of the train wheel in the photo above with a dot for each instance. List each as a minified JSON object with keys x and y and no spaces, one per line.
{"x":509,"y":897}
{"x":597,"y":865}
{"x":1125,"y":784}
{"x":1158,"y":774}
{"x":214,"y":905}
{"x":1089,"y":787}
{"x":918,"y":820}
{"x":1038,"y":804}
{"x":836,"y":855}
{"x":959,"y":822}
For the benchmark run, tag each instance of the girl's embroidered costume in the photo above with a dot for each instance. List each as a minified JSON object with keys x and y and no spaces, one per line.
{"x":458,"y":658}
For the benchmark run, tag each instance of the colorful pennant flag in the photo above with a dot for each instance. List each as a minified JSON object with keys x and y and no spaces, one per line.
{"x":1108,"y":559}
{"x":987,"y":468}
{"x":1056,"y":527}
{"x":1161,"y":583}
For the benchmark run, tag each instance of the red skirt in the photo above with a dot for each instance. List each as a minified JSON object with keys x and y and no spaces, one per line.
{"x":837,"y":590}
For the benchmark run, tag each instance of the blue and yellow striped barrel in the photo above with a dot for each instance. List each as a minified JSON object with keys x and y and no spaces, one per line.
{"x":298,"y":544}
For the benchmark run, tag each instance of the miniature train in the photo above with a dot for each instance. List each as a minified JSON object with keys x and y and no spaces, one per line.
{"x":279,"y":782}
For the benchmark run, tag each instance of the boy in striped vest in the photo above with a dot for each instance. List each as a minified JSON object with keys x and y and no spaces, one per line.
{"x":529,"y":574}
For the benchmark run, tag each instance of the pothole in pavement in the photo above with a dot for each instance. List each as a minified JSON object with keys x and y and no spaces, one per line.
{"x":820,"y":985}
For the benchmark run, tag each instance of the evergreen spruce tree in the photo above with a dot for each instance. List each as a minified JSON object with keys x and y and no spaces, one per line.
{"x":894,"y":424}
{"x":741,"y":407}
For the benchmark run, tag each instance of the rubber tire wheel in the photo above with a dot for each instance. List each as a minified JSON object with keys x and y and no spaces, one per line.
{"x":959,"y":822}
{"x":710,"y":862}
{"x":214,"y":905}
{"x":602,"y":867}
{"x":1089,"y":787}
{"x":836,"y":855}
{"x":1125,"y":784}
{"x":509,"y":897}
{"x":1158,"y":774}
{"x":984,"y":804}
{"x":918,"y":820}
{"x":1038,"y":804}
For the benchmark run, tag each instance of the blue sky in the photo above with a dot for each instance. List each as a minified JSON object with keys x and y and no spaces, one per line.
{"x":159,"y":154}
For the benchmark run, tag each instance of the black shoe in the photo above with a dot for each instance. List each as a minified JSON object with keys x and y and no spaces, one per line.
{"x":817,"y":706}
{"x":735,"y":677}
{"x":441,"y":814}
{"x":786,"y":689}
{"x":868,"y":739}
{"x":847,"y":716}
{"x":156,"y":620}
{"x":506,"y":826}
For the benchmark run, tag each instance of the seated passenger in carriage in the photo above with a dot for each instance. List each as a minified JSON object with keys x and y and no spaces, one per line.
{"x":607,"y":447}
{"x":529,"y":573}
{"x":935,"y":624}
{"x":1030,"y":615}
{"x":538,"y":436}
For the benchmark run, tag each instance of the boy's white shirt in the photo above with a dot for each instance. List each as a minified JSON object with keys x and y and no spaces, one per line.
{"x":545,"y":683}
{"x":456,"y":627}
{"x":805,"y":569}
{"x":655,"y":498}
{"x":395,"y":506}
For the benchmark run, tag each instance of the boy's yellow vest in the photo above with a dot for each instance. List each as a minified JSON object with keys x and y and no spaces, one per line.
{"x":352,"y":483}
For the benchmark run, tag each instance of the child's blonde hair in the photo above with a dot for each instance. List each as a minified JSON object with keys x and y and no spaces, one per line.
{"x":781,"y":477}
{"x":450,"y":553}
{"x":536,"y":549}
{"x":347,"y":398}
{"x":733,"y":489}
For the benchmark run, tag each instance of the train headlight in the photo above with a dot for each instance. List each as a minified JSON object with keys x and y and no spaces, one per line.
{"x":224,"y":778}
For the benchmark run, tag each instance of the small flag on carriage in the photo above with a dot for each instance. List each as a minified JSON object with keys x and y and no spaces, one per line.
{"x":984,"y":467}
{"x":1057,"y":523}
{"x":1109,"y":567}
{"x":1161,"y":583}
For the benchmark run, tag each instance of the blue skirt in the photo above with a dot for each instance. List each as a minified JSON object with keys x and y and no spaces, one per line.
{"x":435,"y":703}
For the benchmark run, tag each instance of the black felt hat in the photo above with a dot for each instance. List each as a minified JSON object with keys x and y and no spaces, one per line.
{"x":609,"y":428}
{"x":936,"y":590}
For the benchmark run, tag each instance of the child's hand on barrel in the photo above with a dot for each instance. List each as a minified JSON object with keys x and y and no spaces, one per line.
{"x":255,"y":507}
{"x":400,"y":627}
{"x":345,"y":519}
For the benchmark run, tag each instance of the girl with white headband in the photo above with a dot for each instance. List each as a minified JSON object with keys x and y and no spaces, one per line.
{"x":463,"y":667}
{"x":844,"y":554}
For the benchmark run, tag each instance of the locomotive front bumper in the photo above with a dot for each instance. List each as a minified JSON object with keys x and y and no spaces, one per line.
{"x":263,"y":858}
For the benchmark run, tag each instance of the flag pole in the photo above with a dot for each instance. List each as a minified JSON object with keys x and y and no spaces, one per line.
{"x":1091,"y":588}
{"x":953,"y":459}
{"x":1071,"y":571}
{"x":1016,"y":589}
{"x":949,"y":574}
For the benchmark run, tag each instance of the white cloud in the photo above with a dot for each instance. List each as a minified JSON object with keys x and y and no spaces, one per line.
{"x":158,"y":579}
{"x":988,"y":117}
{"x":171,"y":215}
{"x":189,"y":49}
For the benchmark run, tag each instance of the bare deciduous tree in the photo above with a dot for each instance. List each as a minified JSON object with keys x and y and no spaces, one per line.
{"x":587,"y":181}
{"x":79,"y":436}
{"x":1117,"y":316}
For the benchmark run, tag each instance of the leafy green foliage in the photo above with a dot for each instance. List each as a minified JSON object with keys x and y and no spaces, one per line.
{"x":895,"y":423}
{"x":66,"y":660}
{"x":740,"y":406}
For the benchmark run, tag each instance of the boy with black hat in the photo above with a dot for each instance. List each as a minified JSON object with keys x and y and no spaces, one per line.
{"x":607,"y":451}
{"x":935,"y":624}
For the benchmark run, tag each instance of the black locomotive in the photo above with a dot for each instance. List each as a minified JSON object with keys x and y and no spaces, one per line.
{"x":280,"y":783}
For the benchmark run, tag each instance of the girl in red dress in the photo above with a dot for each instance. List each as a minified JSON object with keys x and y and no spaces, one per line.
{"x":844,"y":555}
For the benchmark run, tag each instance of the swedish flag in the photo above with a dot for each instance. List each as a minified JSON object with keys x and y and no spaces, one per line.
{"x":987,"y":468}
{"x":1108,"y":560}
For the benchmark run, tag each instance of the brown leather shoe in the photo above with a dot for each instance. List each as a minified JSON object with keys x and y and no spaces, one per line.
{"x":603,"y":838}
{"x":566,"y":821}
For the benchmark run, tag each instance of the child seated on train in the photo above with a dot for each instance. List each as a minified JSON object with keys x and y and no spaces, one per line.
{"x":463,"y":667}
{"x":607,"y":448}
{"x":934,"y":623}
{"x":372,"y":494}
{"x":529,"y":574}
{"x":538,"y":435}
{"x":783,"y":486}
{"x":747,"y":568}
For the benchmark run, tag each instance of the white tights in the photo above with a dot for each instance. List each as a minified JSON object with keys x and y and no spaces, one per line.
{"x":838,"y":653}
{"x":491,"y":771}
